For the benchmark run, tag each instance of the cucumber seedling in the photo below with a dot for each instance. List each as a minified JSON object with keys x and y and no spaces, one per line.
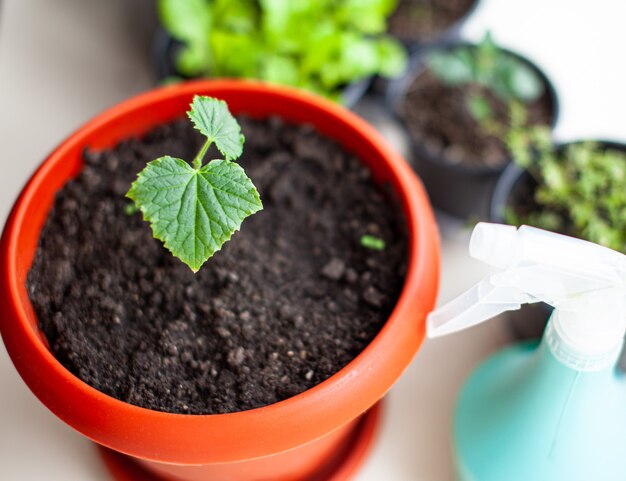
{"x":195,"y":208}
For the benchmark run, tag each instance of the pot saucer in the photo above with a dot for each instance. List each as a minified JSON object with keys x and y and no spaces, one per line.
{"x":341,"y":468}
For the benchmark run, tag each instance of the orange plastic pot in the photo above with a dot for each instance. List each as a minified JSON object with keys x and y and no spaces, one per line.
{"x":288,"y":441}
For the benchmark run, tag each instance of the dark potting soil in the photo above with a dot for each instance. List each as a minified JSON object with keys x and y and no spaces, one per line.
{"x":425,"y":19}
{"x":438,"y":119}
{"x":289,"y":301}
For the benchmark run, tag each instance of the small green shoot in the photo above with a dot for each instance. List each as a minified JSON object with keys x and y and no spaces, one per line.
{"x":374,"y":243}
{"x":194,"y":209}
{"x":130,"y":209}
{"x":487,"y":67}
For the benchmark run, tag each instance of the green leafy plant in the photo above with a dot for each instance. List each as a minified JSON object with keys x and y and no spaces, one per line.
{"x":486,"y":67}
{"x":580,"y":188}
{"x":194,"y":209}
{"x":319,"y":45}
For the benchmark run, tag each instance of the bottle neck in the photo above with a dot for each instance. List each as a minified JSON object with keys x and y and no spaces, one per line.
{"x":571,"y":354}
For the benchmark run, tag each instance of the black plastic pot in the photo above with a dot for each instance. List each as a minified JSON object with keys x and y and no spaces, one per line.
{"x":514,"y":187}
{"x":447,"y":34}
{"x":164,"y":49}
{"x":414,"y":44}
{"x":462,"y":190}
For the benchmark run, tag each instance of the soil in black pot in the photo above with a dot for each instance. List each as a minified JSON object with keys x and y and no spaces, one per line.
{"x":438,"y":119}
{"x":425,"y":19}
{"x":289,"y":301}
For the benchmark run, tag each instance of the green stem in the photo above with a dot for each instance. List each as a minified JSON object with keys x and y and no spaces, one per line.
{"x":197,"y":162}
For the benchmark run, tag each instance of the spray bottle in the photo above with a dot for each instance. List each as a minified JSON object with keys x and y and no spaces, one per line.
{"x":555,"y":411}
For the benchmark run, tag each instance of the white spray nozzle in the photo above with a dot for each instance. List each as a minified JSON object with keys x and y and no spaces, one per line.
{"x":585,"y":282}
{"x":493,"y":244}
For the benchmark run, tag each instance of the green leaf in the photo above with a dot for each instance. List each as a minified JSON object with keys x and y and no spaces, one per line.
{"x":451,"y":68}
{"x":234,"y":54}
{"x":212,"y":117}
{"x":486,"y":58}
{"x":479,"y":107}
{"x":189,"y":21}
{"x":191,"y":60}
{"x":368,"y":16}
{"x":317,"y":59}
{"x":525,"y":83}
{"x":194,"y":211}
{"x":186,"y":20}
{"x":393,"y":57}
{"x":239,"y":16}
{"x":358,"y":57}
{"x":281,"y":70}
{"x":276,"y":14}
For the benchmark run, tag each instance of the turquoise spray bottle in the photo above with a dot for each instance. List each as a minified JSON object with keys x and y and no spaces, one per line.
{"x":555,"y":411}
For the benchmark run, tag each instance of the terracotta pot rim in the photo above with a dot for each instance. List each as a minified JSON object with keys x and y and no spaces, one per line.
{"x":416,"y":298}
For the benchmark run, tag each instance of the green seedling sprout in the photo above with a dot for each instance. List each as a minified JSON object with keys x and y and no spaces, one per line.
{"x":371,"y":242}
{"x":487,"y":67}
{"x":194,"y":209}
{"x":580,"y":189}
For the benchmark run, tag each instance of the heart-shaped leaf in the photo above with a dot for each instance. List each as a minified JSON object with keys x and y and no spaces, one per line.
{"x":194,"y":211}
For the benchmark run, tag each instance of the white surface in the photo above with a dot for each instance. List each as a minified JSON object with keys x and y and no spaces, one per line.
{"x":63,"y":61}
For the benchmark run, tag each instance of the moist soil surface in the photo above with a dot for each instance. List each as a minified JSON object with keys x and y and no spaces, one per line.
{"x":425,"y":19}
{"x":438,"y":119}
{"x":289,"y":301}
